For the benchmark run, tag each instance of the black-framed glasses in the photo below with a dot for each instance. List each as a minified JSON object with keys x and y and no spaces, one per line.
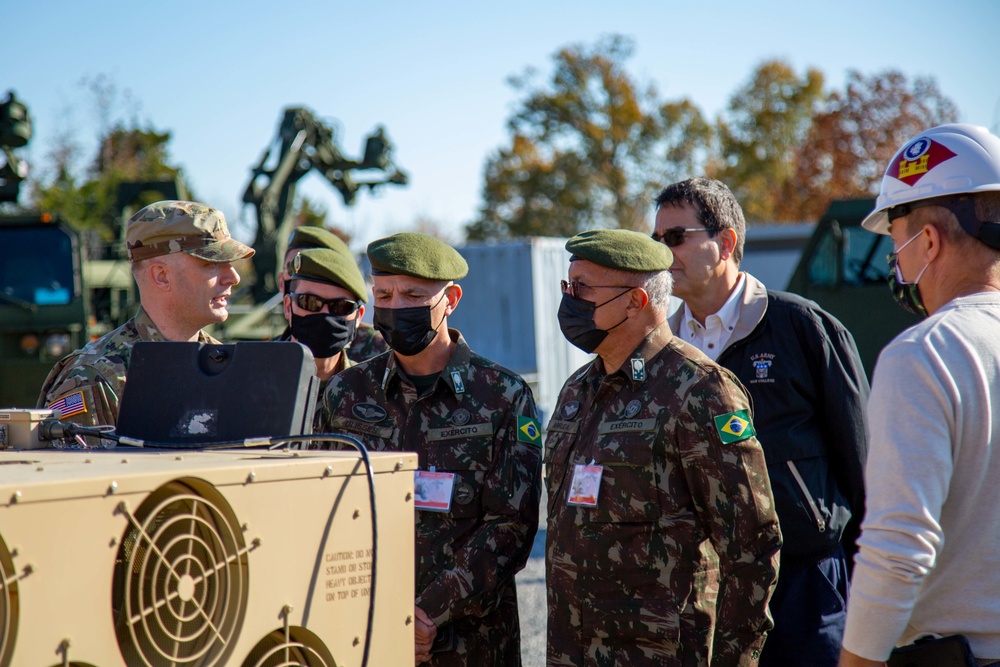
{"x":572,"y":287}
{"x":313,"y":304}
{"x":675,"y":236}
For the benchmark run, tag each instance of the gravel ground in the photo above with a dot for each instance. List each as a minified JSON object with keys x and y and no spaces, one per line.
{"x":531,"y":599}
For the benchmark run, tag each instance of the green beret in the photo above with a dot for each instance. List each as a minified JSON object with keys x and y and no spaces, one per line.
{"x":416,"y":255}
{"x":307,"y":236}
{"x":322,"y":265}
{"x":620,"y":249}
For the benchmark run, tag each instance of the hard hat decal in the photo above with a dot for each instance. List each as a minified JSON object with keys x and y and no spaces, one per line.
{"x":919,"y":158}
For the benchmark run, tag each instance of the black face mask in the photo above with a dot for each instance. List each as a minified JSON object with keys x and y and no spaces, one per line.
{"x":324,"y":334}
{"x":408,"y":331}
{"x":576,"y":320}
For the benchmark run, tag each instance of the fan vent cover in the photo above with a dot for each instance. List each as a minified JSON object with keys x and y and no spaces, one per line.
{"x":181,"y":577}
{"x":291,"y":647}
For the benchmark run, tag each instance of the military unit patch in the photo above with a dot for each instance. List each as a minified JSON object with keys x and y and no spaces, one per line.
{"x":632,"y":409}
{"x":369,"y":412}
{"x":460,"y":417}
{"x":570,"y":410}
{"x":529,"y":431}
{"x":734,"y":426}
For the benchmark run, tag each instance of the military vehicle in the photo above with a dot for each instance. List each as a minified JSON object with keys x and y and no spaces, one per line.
{"x":59,"y":290}
{"x":210,"y":558}
{"x":843,"y":268}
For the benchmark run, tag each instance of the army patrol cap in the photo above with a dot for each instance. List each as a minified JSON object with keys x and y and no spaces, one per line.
{"x":620,"y":249}
{"x":323,"y":265}
{"x":308,"y":236}
{"x":416,"y":255}
{"x":182,"y":226}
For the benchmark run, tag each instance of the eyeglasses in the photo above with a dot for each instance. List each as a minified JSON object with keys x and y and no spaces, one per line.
{"x":573,"y":288}
{"x":675,"y":236}
{"x":314,"y":304}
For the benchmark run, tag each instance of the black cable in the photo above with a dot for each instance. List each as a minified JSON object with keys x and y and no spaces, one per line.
{"x":53,"y":430}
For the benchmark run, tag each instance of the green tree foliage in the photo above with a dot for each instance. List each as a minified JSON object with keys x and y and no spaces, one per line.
{"x":126,"y":152}
{"x":586,"y":150}
{"x":91,"y":202}
{"x":760,"y":134}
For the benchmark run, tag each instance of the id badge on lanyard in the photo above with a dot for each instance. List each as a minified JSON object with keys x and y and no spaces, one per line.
{"x":432,"y":490}
{"x":586,"y":485}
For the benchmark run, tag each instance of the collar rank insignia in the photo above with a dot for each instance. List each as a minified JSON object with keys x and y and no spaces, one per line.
{"x":456,"y":380}
{"x":638,"y":369}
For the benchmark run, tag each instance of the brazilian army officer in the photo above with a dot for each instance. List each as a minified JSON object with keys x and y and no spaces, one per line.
{"x":473,"y":425}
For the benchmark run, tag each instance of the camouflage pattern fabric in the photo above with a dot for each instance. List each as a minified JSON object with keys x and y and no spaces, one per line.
{"x":367,"y":343}
{"x":467,"y":423}
{"x":318,"y":418}
{"x":676,"y":563}
{"x":96,"y":373}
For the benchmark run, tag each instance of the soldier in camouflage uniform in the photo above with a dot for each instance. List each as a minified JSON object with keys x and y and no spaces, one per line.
{"x":181,"y":254}
{"x":662,"y":543}
{"x":323,"y":306}
{"x":473,"y":425}
{"x":367,"y":341}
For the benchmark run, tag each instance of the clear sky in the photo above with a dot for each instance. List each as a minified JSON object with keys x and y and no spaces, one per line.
{"x":218,"y":74}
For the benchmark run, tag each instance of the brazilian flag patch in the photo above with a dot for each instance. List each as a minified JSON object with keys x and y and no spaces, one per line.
{"x":734,"y":426}
{"x":529,"y":431}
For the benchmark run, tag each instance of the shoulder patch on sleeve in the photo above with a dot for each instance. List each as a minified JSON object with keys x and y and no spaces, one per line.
{"x":529,"y":431}
{"x":734,"y":426}
{"x":69,"y":405}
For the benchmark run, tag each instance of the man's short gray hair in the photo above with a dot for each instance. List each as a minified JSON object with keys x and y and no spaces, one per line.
{"x":659,"y":286}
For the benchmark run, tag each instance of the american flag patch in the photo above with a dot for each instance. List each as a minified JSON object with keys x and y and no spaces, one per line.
{"x":70,"y":405}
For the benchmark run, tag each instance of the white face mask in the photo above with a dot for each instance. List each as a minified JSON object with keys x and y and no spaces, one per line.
{"x":906,"y":294}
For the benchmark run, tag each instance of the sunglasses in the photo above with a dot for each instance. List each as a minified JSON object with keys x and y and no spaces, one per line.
{"x":675,"y":236}
{"x":573,"y":288}
{"x":314,"y":304}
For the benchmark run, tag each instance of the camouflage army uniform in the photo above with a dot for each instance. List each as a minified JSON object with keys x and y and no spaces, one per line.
{"x":367,"y":343}
{"x":96,"y":372}
{"x":474,"y":422}
{"x":676,"y":563}
{"x":319,"y":421}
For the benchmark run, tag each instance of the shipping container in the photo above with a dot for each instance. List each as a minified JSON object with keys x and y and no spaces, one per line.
{"x":508,"y":312}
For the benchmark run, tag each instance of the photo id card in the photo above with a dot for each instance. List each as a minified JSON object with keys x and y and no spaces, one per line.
{"x":586,"y":485}
{"x":432,"y":490}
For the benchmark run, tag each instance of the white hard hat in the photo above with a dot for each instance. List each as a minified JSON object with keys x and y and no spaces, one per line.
{"x":945,"y":160}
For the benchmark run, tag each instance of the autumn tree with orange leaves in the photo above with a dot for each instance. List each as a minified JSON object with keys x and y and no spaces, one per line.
{"x":591,"y":147}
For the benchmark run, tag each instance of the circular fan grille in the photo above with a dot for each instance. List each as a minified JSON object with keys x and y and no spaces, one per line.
{"x":8,"y":605}
{"x":180,"y":583}
{"x":295,"y":648}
